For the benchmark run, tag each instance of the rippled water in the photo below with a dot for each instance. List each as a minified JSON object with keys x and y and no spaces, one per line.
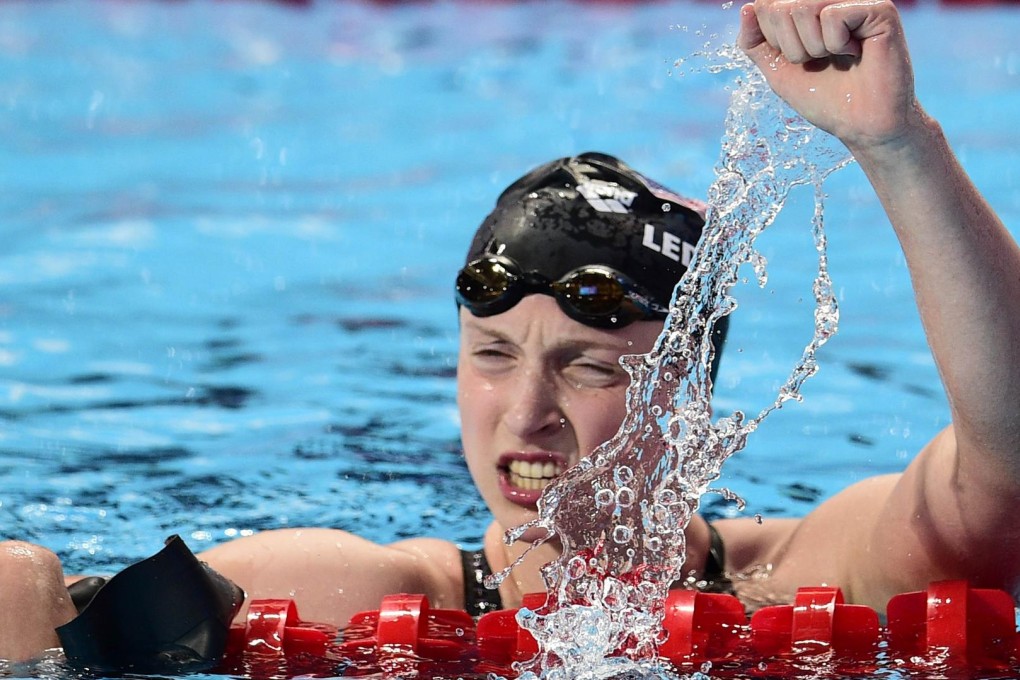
{"x":230,"y":232}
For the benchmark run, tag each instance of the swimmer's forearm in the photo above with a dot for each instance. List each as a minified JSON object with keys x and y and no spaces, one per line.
{"x":965,"y":268}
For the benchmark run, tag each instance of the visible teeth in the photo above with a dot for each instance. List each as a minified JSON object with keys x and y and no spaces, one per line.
{"x":533,"y":475}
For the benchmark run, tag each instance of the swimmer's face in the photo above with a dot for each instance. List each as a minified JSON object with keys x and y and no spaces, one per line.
{"x":537,"y":391}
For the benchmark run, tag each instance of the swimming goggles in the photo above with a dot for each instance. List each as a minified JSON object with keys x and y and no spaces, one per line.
{"x":595,"y":295}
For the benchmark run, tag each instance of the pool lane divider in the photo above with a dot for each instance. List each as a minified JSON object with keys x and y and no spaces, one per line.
{"x":949,"y":623}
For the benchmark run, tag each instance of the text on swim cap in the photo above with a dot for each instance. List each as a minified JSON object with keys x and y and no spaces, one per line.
{"x":606,"y":197}
{"x":672,"y":246}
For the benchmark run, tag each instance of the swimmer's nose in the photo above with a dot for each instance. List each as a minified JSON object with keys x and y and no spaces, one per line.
{"x":534,"y":408}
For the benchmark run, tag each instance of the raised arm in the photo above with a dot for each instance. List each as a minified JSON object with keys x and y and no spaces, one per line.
{"x":845,"y":67}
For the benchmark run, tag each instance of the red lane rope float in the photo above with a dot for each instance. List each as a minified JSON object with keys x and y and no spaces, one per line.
{"x":407,"y":624}
{"x":273,"y":628}
{"x":949,"y":622}
{"x":501,"y":640}
{"x":275,"y":642}
{"x":701,"y":626}
{"x":970,"y":626}
{"x":819,"y":619}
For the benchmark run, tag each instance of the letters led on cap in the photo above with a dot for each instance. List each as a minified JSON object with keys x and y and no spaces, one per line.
{"x":671,"y":246}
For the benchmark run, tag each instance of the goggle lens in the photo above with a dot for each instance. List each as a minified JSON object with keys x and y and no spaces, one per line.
{"x":595,"y":295}
{"x":483,"y":282}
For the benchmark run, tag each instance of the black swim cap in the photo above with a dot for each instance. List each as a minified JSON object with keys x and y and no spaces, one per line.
{"x":593,"y":209}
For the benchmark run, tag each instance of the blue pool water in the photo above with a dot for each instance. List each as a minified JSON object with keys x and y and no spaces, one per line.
{"x":229,"y":233}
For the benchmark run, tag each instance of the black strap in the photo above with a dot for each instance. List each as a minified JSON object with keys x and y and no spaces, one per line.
{"x":715,"y":565}
{"x":83,"y":591}
{"x":478,"y":599}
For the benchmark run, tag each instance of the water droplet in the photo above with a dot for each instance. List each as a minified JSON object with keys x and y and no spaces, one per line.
{"x":667,"y":496}
{"x":576,"y":567}
{"x":659,"y":512}
{"x":623,"y":475}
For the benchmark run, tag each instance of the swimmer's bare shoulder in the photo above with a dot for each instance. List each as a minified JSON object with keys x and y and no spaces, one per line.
{"x":332,"y":574}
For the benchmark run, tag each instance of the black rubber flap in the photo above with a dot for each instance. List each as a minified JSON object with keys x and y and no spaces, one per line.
{"x":168,"y":613}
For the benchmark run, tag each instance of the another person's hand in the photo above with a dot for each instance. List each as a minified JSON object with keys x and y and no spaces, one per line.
{"x":842,"y":64}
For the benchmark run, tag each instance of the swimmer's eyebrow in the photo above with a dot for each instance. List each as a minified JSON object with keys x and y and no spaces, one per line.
{"x":482,"y":333}
{"x":490,"y":334}
{"x":472,"y":325}
{"x":583,"y":342}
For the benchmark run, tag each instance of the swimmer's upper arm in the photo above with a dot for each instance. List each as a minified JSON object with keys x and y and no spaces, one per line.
{"x":440,"y":569}
{"x":823,"y":548}
{"x":951,"y":516}
{"x":332,"y":574}
{"x":898,"y":533}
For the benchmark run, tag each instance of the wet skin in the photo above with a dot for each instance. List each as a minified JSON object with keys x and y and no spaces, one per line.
{"x":537,"y":391}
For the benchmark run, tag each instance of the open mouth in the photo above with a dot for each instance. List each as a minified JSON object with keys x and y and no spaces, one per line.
{"x":532,"y":476}
{"x":522,"y":477}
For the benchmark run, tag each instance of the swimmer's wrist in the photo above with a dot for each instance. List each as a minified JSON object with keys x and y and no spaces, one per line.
{"x":915,"y":140}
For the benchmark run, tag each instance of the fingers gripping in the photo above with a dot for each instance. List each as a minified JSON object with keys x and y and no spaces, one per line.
{"x":807,"y":35}
{"x":838,"y":23}
{"x":802,"y":30}
{"x":792,"y":27}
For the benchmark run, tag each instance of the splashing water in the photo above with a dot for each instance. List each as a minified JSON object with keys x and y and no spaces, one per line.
{"x":620,"y":514}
